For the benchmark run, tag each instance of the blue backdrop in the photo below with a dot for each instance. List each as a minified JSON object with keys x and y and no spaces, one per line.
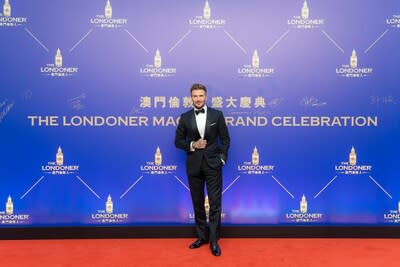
{"x":302,"y":82}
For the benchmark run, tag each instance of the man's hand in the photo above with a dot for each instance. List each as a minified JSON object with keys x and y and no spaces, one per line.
{"x":200,"y":144}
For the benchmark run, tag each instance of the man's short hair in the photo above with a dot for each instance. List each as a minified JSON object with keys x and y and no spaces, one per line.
{"x":198,"y":86}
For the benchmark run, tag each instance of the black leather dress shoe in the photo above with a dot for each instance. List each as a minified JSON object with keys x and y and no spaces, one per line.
{"x":215,"y":249}
{"x":198,"y":243}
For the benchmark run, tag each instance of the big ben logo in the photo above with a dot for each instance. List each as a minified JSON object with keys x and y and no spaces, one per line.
{"x":58,"y":58}
{"x":305,"y":11}
{"x":207,"y":11}
{"x":303,"y":215}
{"x":255,"y":157}
{"x":155,"y":69}
{"x":108,"y":10}
{"x":54,"y":69}
{"x":7,"y":8}
{"x":352,"y":166}
{"x":352,"y":69}
{"x":204,"y":21}
{"x":59,"y":157}
{"x":353,"y":59}
{"x":109,"y":205}
{"x":57,"y":167}
{"x":108,"y":216}
{"x":303,"y":204}
{"x":106,"y":20}
{"x":303,"y":21}
{"x":157,"y":59}
{"x":9,"y":206}
{"x":253,"y":70}
{"x":255,"y":60}
{"x":253,"y":166}
{"x":158,"y":157}
{"x":157,"y":165}
{"x":352,"y":157}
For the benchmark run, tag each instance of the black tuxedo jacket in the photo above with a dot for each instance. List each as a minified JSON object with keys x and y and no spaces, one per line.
{"x":217,"y":136}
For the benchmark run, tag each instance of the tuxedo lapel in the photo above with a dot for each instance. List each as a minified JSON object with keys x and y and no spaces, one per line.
{"x":208,"y":119}
{"x":194,"y":126}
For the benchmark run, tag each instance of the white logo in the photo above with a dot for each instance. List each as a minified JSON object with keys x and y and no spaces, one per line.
{"x":394,"y":21}
{"x":106,"y":20}
{"x":10,"y":217}
{"x":351,"y":167}
{"x":108,"y":215}
{"x":253,"y":167}
{"x":303,"y":21}
{"x":205,"y":21}
{"x":393,"y":216}
{"x":156,"y":70}
{"x":253,"y":70}
{"x":302,"y":215}
{"x":57,"y":69}
{"x":57,"y":167}
{"x":157,"y":167}
{"x":352,"y":70}
{"x":7,"y":20}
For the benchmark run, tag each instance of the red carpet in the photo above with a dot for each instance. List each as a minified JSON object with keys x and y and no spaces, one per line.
{"x":175,"y":252}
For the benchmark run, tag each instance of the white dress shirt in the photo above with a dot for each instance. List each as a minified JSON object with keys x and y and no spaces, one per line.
{"x":201,"y":119}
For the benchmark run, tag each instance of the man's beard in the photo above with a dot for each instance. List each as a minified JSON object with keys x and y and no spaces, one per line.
{"x":199,"y":107}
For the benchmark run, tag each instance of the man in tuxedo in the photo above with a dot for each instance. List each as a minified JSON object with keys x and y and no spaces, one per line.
{"x":203,"y":134}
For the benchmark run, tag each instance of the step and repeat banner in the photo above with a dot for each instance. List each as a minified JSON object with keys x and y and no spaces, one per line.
{"x":91,"y":94}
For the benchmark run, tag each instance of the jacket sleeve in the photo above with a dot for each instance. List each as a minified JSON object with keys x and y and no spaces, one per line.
{"x":181,"y":140}
{"x":224,"y":137}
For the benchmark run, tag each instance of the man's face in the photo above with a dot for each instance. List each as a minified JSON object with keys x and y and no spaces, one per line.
{"x":199,"y":98}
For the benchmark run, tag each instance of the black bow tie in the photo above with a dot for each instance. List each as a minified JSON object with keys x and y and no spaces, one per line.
{"x":197,"y":111}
